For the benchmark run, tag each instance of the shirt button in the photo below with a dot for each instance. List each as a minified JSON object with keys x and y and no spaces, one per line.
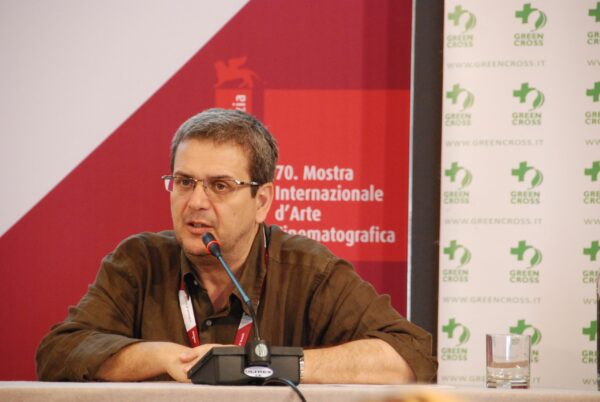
{"x":209,"y":323}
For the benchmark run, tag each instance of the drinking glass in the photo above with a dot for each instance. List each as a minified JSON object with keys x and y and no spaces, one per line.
{"x":508,"y":358}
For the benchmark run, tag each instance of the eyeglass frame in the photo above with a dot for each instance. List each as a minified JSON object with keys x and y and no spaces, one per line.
{"x":205,"y":187}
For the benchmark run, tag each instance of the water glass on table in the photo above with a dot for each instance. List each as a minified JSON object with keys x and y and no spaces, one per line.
{"x":508,"y":359}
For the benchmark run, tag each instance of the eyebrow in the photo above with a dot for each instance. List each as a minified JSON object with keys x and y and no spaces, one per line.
{"x":180,"y":173}
{"x":223,"y":176}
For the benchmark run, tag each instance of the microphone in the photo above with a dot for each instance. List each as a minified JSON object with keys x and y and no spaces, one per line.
{"x":258,"y":351}
{"x":214,"y":248}
{"x":258,"y":362}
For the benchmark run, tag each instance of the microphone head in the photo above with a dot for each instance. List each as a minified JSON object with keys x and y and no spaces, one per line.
{"x":212,"y":245}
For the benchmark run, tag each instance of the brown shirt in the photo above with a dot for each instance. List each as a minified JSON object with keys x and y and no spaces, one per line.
{"x":310,"y":298}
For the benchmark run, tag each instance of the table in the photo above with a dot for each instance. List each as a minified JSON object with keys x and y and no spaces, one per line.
{"x":14,"y":391}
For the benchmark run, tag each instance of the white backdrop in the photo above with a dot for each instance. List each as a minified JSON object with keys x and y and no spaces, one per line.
{"x":520,"y":209}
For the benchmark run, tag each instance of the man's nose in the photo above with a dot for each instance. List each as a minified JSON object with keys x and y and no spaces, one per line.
{"x":199,"y":197}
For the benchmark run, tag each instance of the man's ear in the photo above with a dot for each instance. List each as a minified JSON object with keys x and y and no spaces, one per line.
{"x":264,"y":199}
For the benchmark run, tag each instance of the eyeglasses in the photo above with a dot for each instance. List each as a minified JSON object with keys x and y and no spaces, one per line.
{"x":216,"y":188}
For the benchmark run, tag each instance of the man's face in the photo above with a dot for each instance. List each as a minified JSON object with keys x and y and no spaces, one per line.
{"x":233,"y":219}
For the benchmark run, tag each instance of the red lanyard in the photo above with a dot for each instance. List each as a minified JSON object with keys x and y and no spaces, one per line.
{"x":187,"y":311}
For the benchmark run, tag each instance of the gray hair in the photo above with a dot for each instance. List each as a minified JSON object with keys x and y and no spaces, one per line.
{"x":223,"y":126}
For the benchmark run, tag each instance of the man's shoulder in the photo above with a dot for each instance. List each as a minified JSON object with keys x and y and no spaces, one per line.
{"x":161,"y":241}
{"x":144,"y":253}
{"x":294,"y":249}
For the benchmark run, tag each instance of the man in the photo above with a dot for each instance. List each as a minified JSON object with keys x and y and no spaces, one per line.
{"x":160,"y":301}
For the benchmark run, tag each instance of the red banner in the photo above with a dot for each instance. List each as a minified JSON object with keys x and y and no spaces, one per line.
{"x":329,"y":78}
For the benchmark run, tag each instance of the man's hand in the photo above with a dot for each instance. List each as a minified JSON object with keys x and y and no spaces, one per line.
{"x":145,"y":360}
{"x":178,"y":369}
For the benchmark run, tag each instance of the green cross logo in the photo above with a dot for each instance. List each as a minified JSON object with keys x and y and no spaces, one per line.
{"x":527,"y":12}
{"x":523,"y":169}
{"x":454,"y":94}
{"x":594,"y":92}
{"x":522,"y":328}
{"x":456,"y":15}
{"x":454,"y":249}
{"x":523,"y":92}
{"x":452,"y":326}
{"x":592,"y":251}
{"x":591,"y":331}
{"x":595,"y":12}
{"x":593,"y":171}
{"x":453,"y":174}
{"x":522,"y":248}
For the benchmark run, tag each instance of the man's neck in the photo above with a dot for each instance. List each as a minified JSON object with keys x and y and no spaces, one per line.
{"x":214,"y":278}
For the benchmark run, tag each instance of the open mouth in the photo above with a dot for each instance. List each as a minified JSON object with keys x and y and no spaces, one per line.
{"x":198,"y":225}
{"x":198,"y":228}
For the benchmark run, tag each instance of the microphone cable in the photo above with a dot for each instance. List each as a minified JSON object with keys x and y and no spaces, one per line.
{"x":285,"y":381}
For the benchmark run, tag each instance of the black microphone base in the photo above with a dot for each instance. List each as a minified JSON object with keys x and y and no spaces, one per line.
{"x":225,"y":366}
